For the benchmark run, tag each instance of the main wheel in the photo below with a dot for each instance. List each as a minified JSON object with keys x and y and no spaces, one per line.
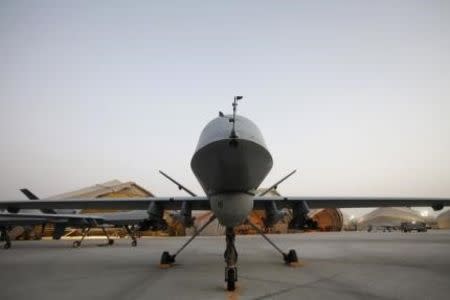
{"x":7,"y":245}
{"x":167,"y":259}
{"x":291,"y":257}
{"x":110,"y":242}
{"x":134,"y":243}
{"x":76,"y":244}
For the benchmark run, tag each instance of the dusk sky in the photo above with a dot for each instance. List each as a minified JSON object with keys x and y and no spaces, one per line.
{"x":355,"y":95}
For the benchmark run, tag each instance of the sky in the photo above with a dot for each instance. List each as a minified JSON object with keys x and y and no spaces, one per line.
{"x":355,"y":95}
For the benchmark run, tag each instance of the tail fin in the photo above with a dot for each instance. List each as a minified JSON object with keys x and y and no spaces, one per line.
{"x":32,"y":196}
{"x":29,"y":194}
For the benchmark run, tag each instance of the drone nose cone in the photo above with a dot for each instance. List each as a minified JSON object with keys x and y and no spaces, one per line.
{"x":220,"y":128}
{"x":231,"y":209}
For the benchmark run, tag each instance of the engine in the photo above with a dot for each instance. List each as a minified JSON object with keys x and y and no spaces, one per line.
{"x":184,"y":217}
{"x":155,"y":219}
{"x":300,"y":219}
{"x":273,"y":214}
{"x":58,"y":231}
{"x":153,"y":224}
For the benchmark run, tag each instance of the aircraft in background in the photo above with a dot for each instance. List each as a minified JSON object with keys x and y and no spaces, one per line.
{"x":230,"y":162}
{"x":132,"y":221}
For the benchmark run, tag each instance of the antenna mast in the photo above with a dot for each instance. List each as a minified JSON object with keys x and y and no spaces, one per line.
{"x":233,"y":120}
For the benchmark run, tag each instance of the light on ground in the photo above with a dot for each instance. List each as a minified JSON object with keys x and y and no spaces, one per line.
{"x":424,"y":213}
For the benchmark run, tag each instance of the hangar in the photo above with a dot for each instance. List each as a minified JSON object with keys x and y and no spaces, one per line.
{"x":390,"y":216}
{"x":443,"y":220}
{"x":110,"y":189}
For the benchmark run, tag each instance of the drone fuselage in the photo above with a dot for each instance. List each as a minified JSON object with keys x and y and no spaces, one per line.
{"x":231,"y":168}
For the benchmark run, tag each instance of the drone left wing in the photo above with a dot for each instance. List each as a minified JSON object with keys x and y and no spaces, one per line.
{"x":6,"y":221}
{"x":52,"y":217}
{"x":172,"y":203}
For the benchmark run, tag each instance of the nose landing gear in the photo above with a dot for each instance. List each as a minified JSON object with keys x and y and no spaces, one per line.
{"x":231,"y":257}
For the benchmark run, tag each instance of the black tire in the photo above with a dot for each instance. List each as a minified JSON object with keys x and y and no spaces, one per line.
{"x":166,"y":258}
{"x":76,"y":244}
{"x":134,"y":243}
{"x":110,"y":242}
{"x":292,"y":256}
{"x":231,"y":285}
{"x":7,"y":245}
{"x":231,"y":279}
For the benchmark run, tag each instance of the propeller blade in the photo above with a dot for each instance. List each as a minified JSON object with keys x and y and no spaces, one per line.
{"x":275,"y":185}
{"x":180,"y":186}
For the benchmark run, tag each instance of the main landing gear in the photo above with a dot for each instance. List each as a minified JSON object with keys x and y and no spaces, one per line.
{"x":85,"y":231}
{"x":167,"y":259}
{"x":132,"y":233}
{"x":289,"y":258}
{"x":230,"y":255}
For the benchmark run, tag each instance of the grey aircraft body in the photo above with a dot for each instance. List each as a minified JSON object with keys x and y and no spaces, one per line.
{"x":64,"y":218}
{"x":230,"y":162}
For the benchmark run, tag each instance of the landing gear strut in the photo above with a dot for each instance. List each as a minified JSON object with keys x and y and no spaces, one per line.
{"x":132,"y":233}
{"x":110,"y":241}
{"x":84,"y":232}
{"x":289,"y":258}
{"x":231,"y":257}
{"x":6,"y":238}
{"x":167,"y":259}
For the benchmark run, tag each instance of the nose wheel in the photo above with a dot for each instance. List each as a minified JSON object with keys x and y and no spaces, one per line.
{"x":231,"y":278}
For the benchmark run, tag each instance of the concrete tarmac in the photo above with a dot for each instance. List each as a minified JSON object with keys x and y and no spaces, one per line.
{"x":341,"y":265}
